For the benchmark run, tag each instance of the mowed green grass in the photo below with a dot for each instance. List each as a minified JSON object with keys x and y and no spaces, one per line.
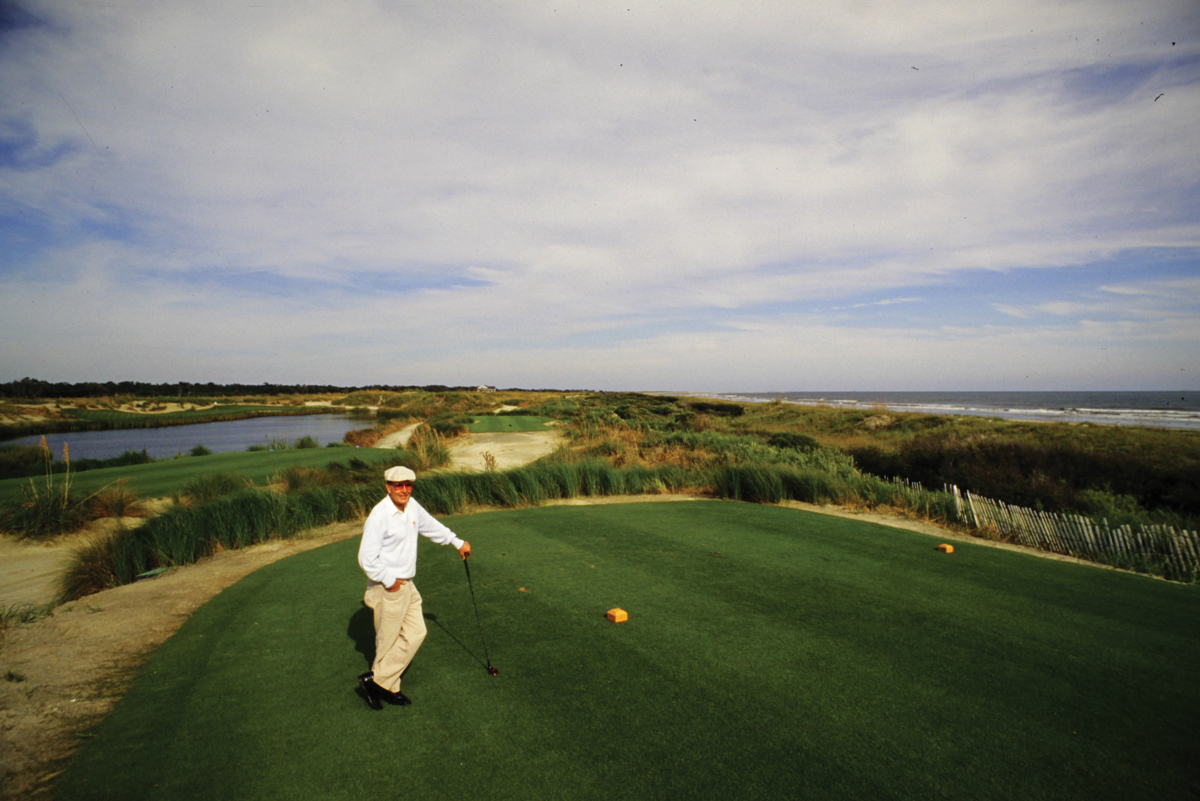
{"x":159,"y":479}
{"x":770,"y":653}
{"x":492,"y":423}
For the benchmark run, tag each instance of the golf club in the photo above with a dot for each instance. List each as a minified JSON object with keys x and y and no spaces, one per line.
{"x":491,"y":670}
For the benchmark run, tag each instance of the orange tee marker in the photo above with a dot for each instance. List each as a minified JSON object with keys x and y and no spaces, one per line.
{"x":618,"y":615}
{"x":944,"y":548}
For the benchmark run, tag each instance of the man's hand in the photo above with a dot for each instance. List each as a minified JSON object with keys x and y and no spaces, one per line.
{"x":465,"y":550}
{"x":396,"y":586}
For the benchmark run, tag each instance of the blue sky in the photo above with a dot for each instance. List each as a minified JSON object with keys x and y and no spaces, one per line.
{"x":708,"y":196}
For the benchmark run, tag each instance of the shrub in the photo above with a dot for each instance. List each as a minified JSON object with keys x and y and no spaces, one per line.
{"x":213,"y":485}
{"x":449,"y":425}
{"x":183,"y":534}
{"x":91,"y":568}
{"x":793,"y":441}
{"x":362,"y":437}
{"x":387,"y":415}
{"x":306,"y":442}
{"x":752,"y":483}
{"x":46,"y":510}
{"x":200,"y":450}
{"x":301,"y":478}
{"x":20,"y":460}
{"x":429,"y":447}
{"x":116,"y":500}
{"x":718,"y":408}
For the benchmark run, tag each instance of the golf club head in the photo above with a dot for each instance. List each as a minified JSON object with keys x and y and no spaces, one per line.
{"x":492,"y":671}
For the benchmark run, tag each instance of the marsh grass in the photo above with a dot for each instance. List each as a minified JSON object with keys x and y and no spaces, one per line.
{"x":453,"y":493}
{"x":182,"y":535}
{"x":362,"y":437}
{"x":46,"y":509}
{"x":211,"y":486}
{"x":116,"y":500}
{"x":430,"y":448}
{"x":91,"y":566}
{"x":774,"y":483}
{"x":301,"y":478}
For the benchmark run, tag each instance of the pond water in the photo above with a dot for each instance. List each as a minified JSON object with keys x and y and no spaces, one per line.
{"x":223,"y":437}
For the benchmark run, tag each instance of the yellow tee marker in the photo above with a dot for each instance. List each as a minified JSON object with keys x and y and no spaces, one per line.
{"x":618,"y":615}
{"x":944,"y":548}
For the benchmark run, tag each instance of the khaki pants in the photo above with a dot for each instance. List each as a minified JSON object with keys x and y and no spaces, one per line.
{"x":399,"y":631}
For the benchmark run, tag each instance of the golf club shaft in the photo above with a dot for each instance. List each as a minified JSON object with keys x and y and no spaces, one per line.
{"x":471,"y":585}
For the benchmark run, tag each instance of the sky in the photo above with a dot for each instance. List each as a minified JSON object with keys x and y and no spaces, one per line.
{"x":680,"y":196}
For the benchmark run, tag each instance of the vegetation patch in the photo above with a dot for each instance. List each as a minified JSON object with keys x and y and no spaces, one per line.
{"x":499,"y":423}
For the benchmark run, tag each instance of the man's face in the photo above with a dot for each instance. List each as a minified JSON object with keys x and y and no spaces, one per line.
{"x":399,"y":492}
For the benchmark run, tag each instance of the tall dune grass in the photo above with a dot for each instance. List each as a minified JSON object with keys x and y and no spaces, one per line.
{"x":116,"y":500}
{"x":764,"y":483}
{"x":184,"y":534}
{"x":48,"y":508}
{"x":430,"y":448}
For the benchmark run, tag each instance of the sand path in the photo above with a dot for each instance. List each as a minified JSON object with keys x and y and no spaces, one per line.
{"x":28,"y":571}
{"x":397,"y":439}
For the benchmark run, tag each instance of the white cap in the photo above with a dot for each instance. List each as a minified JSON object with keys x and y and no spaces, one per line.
{"x":399,"y":474}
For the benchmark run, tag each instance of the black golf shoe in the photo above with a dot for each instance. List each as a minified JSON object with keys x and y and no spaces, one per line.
{"x":396,"y":699}
{"x":370,"y":691}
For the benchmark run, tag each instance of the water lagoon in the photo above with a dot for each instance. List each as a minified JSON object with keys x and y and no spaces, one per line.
{"x":221,"y":437}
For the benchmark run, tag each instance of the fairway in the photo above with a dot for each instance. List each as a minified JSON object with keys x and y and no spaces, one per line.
{"x":161,"y":478}
{"x":770,"y":653}
{"x":495,"y":424}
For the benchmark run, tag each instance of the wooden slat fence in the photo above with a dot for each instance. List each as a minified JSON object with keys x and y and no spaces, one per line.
{"x":1176,"y":552}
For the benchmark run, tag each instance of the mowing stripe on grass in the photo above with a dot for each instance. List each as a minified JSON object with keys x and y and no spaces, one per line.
{"x":769,"y":653}
{"x":159,"y":479}
{"x":492,"y":424}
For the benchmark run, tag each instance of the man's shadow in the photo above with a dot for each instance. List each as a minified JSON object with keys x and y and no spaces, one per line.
{"x":361,"y":631}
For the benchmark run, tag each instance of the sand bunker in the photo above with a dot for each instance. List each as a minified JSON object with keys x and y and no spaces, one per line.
{"x":510,"y":449}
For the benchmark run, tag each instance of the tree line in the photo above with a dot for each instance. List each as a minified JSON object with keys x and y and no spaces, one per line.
{"x":36,"y":388}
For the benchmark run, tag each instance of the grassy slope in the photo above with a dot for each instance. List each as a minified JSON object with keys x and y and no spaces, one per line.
{"x":491,"y":424}
{"x":770,"y":653}
{"x":159,"y":479}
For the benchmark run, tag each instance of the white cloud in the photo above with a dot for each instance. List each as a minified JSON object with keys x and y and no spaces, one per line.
{"x":600,"y":169}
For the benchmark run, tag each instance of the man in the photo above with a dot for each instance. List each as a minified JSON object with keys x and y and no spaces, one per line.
{"x":388,"y":555}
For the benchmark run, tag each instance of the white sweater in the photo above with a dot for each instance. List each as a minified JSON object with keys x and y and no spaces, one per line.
{"x":389,"y":541}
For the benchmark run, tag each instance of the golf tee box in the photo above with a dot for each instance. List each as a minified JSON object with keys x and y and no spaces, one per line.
{"x":944,"y":548}
{"x":618,"y":615}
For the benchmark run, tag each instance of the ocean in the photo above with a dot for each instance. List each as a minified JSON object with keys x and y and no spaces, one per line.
{"x":1180,"y":409}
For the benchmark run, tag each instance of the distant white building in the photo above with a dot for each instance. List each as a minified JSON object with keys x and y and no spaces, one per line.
{"x":484,"y":388}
